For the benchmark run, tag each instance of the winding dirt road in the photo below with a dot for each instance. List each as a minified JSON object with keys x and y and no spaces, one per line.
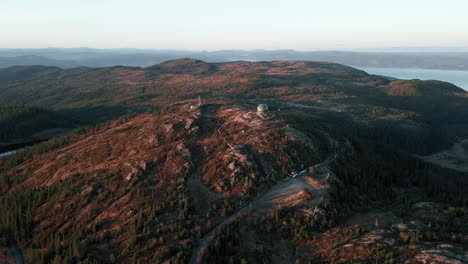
{"x":280,"y":192}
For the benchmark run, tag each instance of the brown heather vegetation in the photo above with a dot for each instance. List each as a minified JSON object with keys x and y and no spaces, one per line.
{"x":402,"y":88}
{"x":418,"y":88}
{"x":111,"y":188}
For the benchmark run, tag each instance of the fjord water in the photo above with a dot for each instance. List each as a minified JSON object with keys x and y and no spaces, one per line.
{"x":459,"y":78}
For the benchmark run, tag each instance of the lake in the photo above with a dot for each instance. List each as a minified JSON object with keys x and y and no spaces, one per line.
{"x":8,"y":153}
{"x":459,"y":78}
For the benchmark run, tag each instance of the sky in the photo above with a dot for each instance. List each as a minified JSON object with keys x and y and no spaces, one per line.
{"x":234,"y":24}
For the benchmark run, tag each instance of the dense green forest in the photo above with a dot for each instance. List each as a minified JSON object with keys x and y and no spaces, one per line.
{"x":20,"y":122}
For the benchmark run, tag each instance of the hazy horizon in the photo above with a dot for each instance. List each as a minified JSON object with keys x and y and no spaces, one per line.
{"x":396,"y":49}
{"x":242,"y":25}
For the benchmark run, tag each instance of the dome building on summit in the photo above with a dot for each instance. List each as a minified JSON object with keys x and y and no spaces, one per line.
{"x":262,"y":108}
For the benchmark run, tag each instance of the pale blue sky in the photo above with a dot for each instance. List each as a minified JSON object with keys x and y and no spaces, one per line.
{"x":234,"y":24}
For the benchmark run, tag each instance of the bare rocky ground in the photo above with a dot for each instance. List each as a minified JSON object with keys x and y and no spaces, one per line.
{"x":383,"y":235}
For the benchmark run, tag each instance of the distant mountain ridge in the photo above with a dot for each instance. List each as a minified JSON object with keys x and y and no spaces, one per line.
{"x":69,"y":58}
{"x":28,"y":60}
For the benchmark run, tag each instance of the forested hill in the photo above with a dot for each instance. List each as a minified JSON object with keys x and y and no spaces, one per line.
{"x":23,"y":124}
{"x":406,"y":114}
{"x":203,"y":183}
{"x":191,"y":173}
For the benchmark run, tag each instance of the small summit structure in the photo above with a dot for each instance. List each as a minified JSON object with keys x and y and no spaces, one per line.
{"x":262,"y":108}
